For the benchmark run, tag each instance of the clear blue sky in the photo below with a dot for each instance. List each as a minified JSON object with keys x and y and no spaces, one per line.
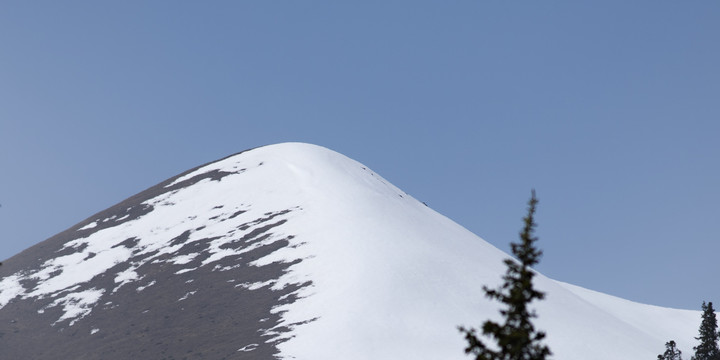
{"x":610,"y":109}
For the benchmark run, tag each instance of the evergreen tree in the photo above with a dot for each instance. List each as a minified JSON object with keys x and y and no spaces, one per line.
{"x":516,"y":338}
{"x":671,"y":352}
{"x":708,"y":347}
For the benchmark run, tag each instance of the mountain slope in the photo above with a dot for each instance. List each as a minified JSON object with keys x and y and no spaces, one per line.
{"x":290,"y":251}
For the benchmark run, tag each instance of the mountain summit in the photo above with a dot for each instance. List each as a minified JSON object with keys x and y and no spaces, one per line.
{"x":288,"y":251}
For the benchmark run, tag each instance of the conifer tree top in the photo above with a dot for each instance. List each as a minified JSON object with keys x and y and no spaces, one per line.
{"x":516,"y":338}
{"x":708,"y":335}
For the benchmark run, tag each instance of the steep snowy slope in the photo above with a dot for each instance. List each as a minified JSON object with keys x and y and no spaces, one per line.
{"x":293,"y":251}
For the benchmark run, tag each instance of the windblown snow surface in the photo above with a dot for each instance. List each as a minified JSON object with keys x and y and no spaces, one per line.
{"x":379,"y":275}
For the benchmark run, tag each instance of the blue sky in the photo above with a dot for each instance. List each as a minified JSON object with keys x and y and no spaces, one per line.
{"x":610,"y":110}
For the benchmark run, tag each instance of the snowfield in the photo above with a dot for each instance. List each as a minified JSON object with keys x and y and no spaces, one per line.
{"x":386,"y":276}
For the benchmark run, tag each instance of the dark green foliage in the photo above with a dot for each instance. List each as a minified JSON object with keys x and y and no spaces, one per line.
{"x":708,"y":347}
{"x":671,"y":352}
{"x":516,"y":338}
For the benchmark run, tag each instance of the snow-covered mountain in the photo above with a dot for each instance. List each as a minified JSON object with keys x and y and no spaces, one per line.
{"x":288,"y":251}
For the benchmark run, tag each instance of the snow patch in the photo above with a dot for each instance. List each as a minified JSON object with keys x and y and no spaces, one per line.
{"x":124,"y":277}
{"x":183,"y":259}
{"x":10,"y":288}
{"x":89,"y":226}
{"x":249,"y":347}
{"x":185,"y":270}
{"x":255,"y":286}
{"x":141,"y":288}
{"x":77,"y":305}
{"x":187,"y":295}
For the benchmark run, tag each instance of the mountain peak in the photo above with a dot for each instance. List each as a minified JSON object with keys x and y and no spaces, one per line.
{"x":286,"y":251}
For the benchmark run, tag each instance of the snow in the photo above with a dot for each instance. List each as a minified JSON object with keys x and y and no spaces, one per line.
{"x":77,"y":305}
{"x":391,"y":278}
{"x":183,"y":259}
{"x":184,"y":271}
{"x":126,"y":277}
{"x":257,"y":285}
{"x":187,"y":295}
{"x":141,"y":288}
{"x":249,"y":347}
{"x":9,"y":289}
{"x":89,"y":226}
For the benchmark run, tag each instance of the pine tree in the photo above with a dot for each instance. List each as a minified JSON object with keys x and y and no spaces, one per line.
{"x":516,"y":338}
{"x":708,"y":347}
{"x":671,"y":352}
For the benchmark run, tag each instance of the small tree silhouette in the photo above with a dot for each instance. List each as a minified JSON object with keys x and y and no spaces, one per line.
{"x":516,"y":338}
{"x":708,"y":347}
{"x":671,"y":352}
